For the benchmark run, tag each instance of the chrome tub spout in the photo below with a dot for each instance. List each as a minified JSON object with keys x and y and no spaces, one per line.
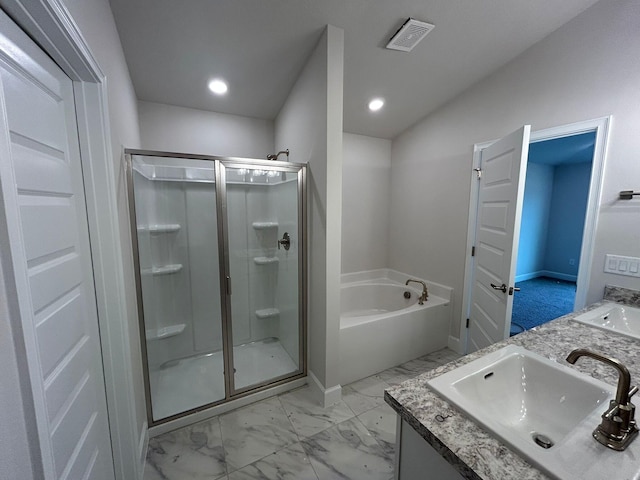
{"x":425,"y":295}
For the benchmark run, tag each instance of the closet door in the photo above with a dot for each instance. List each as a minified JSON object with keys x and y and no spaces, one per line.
{"x":47,"y":241}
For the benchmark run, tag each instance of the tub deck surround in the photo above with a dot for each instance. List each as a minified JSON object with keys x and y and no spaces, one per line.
{"x":388,"y":275}
{"x":380,"y":328}
{"x":368,"y":301}
{"x":476,"y":453}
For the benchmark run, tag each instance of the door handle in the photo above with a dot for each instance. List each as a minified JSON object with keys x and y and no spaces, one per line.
{"x":513,"y":289}
{"x":502,"y":287}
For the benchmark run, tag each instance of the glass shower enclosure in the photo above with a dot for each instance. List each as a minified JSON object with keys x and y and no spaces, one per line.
{"x":220,"y":257}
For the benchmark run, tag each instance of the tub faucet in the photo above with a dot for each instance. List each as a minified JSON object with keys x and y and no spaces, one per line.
{"x":618,"y":427}
{"x":425,"y":294}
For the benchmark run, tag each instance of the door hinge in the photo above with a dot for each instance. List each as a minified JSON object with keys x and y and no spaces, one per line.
{"x":467,"y":323}
{"x":473,"y":251}
{"x":479,"y":172}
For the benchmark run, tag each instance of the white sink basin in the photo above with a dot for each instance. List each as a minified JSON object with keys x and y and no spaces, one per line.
{"x":523,"y":394}
{"x":614,"y":317}
{"x":520,"y":396}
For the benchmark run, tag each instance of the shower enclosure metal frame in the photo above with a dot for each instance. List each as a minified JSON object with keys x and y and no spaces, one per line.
{"x":219,"y":164}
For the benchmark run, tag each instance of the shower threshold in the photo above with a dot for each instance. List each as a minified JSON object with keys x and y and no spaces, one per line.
{"x":176,"y":361}
{"x":190,"y":382}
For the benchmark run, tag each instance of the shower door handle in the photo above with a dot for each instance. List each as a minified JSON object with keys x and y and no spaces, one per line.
{"x":285,"y":242}
{"x":228,"y":282}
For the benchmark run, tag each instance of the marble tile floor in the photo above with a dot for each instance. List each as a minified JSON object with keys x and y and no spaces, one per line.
{"x":290,"y":437}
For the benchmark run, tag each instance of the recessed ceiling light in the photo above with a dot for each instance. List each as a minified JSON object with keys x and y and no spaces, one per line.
{"x":217,"y":86}
{"x":376,"y":104}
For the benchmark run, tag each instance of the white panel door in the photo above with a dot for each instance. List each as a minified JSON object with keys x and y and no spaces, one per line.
{"x":501,"y":194}
{"x":48,"y":241}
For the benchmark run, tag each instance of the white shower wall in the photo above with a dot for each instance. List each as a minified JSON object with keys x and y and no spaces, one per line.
{"x":202,"y":232}
{"x":191,"y":296}
{"x":258,"y":286}
{"x":247,"y":204}
{"x":284,"y":196}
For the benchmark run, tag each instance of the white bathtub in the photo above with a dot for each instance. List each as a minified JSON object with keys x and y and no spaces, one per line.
{"x":379,"y":328}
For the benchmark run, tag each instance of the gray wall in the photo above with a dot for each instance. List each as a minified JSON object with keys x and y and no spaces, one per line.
{"x":366,"y":181}
{"x":187,"y":130}
{"x":586,"y":69}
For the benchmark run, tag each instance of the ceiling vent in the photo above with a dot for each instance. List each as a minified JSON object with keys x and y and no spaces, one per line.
{"x":409,"y":35}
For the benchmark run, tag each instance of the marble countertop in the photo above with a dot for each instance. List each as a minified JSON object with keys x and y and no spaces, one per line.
{"x":474,"y":452}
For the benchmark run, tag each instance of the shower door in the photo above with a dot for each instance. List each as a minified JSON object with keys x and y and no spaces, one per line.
{"x":263,"y":222}
{"x":174,"y":222}
{"x":220,"y":253}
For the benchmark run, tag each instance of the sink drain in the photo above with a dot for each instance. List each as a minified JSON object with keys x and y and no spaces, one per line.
{"x":542,"y":440}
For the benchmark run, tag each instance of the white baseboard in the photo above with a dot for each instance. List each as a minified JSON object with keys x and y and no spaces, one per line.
{"x":528,"y":276}
{"x":560,"y":276}
{"x":546,"y":273}
{"x":324,"y":396}
{"x":143,"y":445}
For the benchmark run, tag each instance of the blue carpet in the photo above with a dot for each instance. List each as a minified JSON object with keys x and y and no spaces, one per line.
{"x":540,"y":300}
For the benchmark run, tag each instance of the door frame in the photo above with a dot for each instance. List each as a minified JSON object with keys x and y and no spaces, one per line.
{"x":58,"y":35}
{"x":601,"y":126}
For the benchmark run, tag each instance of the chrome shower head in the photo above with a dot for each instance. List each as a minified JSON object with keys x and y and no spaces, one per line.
{"x":274,"y":156}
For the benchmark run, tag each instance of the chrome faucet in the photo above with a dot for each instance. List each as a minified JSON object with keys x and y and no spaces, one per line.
{"x":425,"y":294}
{"x":618,"y":427}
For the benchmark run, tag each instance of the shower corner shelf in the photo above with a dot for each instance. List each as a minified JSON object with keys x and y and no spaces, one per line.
{"x":165,"y":332}
{"x":265,"y":260}
{"x":267,"y":313}
{"x":164,"y":270}
{"x":160,"y":228}
{"x":264,"y":225}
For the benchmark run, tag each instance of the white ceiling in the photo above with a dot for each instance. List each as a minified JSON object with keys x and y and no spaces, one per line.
{"x":174,"y":47}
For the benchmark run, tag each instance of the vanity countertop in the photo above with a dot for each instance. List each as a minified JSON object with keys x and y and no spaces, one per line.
{"x":474,"y":452}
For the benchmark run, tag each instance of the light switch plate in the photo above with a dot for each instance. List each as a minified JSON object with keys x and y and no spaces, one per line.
{"x":621,"y":265}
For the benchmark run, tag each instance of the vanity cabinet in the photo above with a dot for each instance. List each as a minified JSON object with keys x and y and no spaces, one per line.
{"x":417,"y":460}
